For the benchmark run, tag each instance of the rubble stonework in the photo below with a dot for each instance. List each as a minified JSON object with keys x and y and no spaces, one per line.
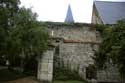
{"x":110,"y":74}
{"x":76,"y":56}
{"x":76,"y":45}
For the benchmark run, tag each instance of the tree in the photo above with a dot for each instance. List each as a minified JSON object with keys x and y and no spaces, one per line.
{"x":21,"y":35}
{"x":28,"y":36}
{"x":8,"y":9}
{"x":112,"y":47}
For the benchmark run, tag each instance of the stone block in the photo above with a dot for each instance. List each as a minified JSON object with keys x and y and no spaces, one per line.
{"x":50,"y":61}
{"x":44,"y":67}
{"x":45,"y":61}
{"x":50,"y":77}
{"x":50,"y":68}
{"x":44,"y":77}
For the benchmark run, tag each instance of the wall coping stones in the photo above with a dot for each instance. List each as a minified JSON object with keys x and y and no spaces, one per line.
{"x":67,"y":24}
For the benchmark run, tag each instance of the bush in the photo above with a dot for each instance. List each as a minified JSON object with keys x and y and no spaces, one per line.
{"x":64,"y":74}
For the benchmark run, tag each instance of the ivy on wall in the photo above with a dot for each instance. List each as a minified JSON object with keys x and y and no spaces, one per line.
{"x":112,"y":47}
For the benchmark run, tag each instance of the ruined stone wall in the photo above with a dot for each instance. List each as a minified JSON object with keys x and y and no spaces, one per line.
{"x":110,"y":74}
{"x":76,"y":45}
{"x":77,"y":56}
{"x":74,"y":33}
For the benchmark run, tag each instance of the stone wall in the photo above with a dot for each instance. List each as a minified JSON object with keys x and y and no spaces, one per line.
{"x":74,"y":47}
{"x":76,"y":56}
{"x":110,"y":74}
{"x":74,"y":33}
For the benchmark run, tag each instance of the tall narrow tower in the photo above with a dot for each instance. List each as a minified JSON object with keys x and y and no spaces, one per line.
{"x":69,"y":16}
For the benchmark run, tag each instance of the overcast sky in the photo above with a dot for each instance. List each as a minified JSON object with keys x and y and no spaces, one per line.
{"x":55,"y":10}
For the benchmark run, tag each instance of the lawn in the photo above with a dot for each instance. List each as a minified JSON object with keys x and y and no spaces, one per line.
{"x":68,"y":81}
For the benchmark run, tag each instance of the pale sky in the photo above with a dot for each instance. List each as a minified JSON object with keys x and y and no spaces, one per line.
{"x":55,"y":10}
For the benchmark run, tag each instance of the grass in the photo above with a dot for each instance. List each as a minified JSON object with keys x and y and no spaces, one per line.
{"x":68,"y":81}
{"x":6,"y":75}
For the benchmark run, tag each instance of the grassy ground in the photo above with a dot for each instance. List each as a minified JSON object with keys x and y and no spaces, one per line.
{"x":68,"y":81}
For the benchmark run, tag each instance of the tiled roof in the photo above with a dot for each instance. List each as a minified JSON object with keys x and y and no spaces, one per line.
{"x":110,"y":12}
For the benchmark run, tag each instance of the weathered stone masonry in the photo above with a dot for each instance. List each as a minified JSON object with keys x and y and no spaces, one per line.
{"x":76,"y":56}
{"x":76,"y":45}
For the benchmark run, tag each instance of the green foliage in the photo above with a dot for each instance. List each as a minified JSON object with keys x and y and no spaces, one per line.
{"x":8,"y":9}
{"x":91,"y":72}
{"x":112,"y":48}
{"x":21,"y":35}
{"x":65,"y":74}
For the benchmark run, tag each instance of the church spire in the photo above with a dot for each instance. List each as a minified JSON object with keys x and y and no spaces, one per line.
{"x":69,"y":16}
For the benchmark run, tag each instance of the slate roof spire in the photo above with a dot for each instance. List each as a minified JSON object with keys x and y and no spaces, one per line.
{"x":69,"y":16}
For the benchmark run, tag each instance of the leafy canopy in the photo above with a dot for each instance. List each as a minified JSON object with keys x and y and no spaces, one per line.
{"x":20,"y":32}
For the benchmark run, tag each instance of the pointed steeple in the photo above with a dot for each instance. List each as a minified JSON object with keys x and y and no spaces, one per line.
{"x":69,"y":16}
